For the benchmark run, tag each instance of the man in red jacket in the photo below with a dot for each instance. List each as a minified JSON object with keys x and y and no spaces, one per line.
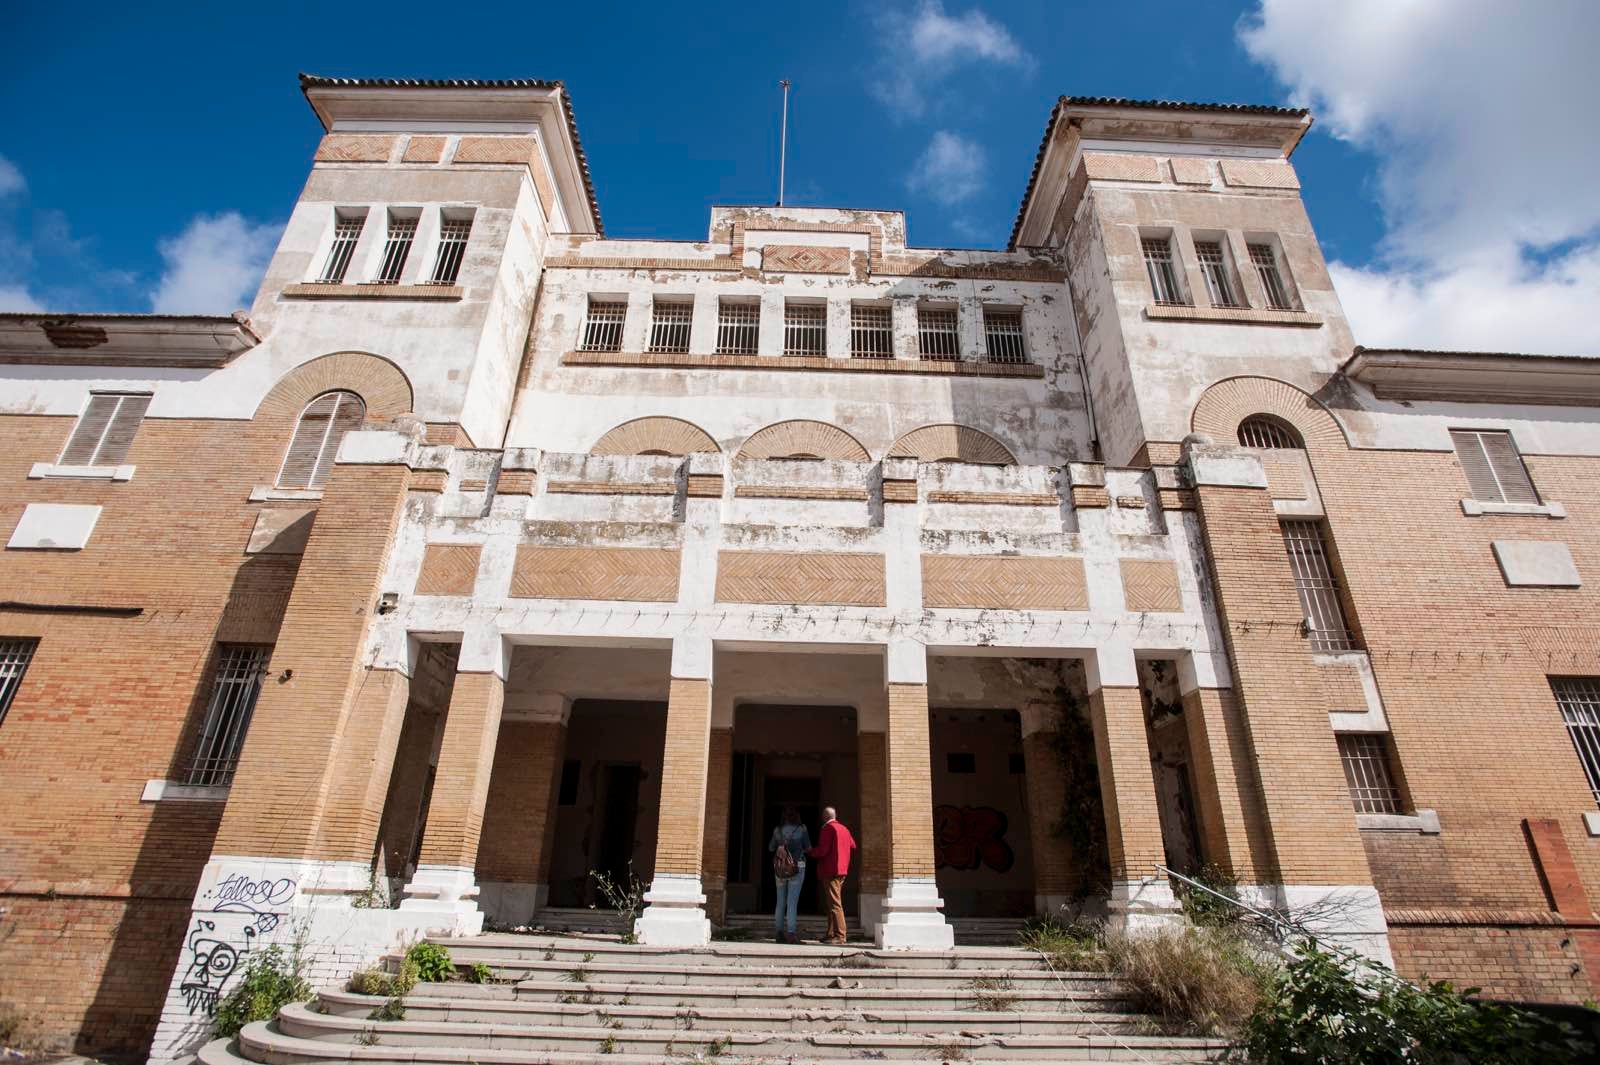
{"x":832,"y":854}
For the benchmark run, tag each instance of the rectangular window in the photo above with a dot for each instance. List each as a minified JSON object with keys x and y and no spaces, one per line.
{"x":602,"y":326}
{"x":1493,"y":467}
{"x":14,"y":658}
{"x":1366,"y":769}
{"x":1265,"y":261}
{"x":669,"y":326}
{"x":871,"y":332}
{"x":240,"y":671}
{"x":805,"y":329}
{"x":738,"y":327}
{"x":105,"y":430}
{"x":1317,"y":586}
{"x":347,"y":228}
{"x":1002,"y":334}
{"x":937,"y":336}
{"x":1579,"y":699}
{"x":1214,"y":268}
{"x":453,"y":234}
{"x":1158,"y":264}
{"x":396,"y":247}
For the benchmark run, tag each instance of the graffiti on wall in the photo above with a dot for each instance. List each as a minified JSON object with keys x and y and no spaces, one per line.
{"x":965,"y":837}
{"x":213,"y":955}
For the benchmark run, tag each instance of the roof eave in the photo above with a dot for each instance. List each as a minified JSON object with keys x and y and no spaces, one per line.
{"x":145,"y":340}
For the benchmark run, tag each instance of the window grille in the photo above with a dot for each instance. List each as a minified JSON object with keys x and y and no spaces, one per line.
{"x":1265,"y":260}
{"x":1158,"y":264}
{"x":1494,"y":470}
{"x":738,"y":327}
{"x":402,"y":231}
{"x":871,"y":332}
{"x":1317,"y":586}
{"x":240,"y":669}
{"x":1261,"y":431}
{"x":316,"y":439}
{"x":1002,"y":333}
{"x":1579,"y":699}
{"x":14,"y":658}
{"x":1366,"y":769}
{"x":1214,"y":268}
{"x":105,"y":430}
{"x":937,"y":335}
{"x":453,"y":234}
{"x":602,"y":328}
{"x":346,"y":231}
{"x":669,"y":326}
{"x":805,"y":329}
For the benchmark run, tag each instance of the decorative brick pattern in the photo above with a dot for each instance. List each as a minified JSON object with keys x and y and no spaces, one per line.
{"x":798,"y":491}
{"x":793,"y":438}
{"x":910,"y":780}
{"x":896,"y":491}
{"x":1227,"y":403}
{"x":378,"y":382}
{"x":1259,"y":174}
{"x":1103,"y":166}
{"x":1090,"y":497}
{"x":520,"y":812}
{"x":667,"y":436}
{"x":1151,"y":585}
{"x":1003,"y":583}
{"x":516,"y":483}
{"x":449,"y":569}
{"x":496,"y":150}
{"x":798,"y":577}
{"x":1187,"y":170}
{"x":873,"y":834}
{"x":791,"y":363}
{"x":421,"y":149}
{"x":703,"y":486}
{"x":430,"y":481}
{"x":680,"y":832}
{"x":355,"y":148}
{"x":1127,"y":784}
{"x":612,"y":488}
{"x":648,"y":575}
{"x":714,"y":848}
{"x":996,"y":499}
{"x":804,"y":259}
{"x":461,"y":781}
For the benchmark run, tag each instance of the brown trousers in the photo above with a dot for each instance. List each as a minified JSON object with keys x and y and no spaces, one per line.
{"x":835,"y":889}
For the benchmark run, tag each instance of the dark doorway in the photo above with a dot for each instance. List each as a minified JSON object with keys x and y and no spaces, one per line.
{"x":805,"y":793}
{"x":619,"y":815}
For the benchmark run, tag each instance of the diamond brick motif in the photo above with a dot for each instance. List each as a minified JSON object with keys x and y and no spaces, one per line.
{"x":805,"y":259}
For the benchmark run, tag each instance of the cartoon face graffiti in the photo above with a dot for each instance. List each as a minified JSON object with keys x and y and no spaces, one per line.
{"x":212,"y":962}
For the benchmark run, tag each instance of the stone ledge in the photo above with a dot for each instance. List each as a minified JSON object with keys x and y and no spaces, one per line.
{"x":1236,"y":315}
{"x":1484,"y":917}
{"x":1424,"y":822}
{"x":266,"y":493}
{"x":372,"y":292}
{"x":1474,"y":508}
{"x":666,"y":361}
{"x":172,"y":791}
{"x":41,"y":470}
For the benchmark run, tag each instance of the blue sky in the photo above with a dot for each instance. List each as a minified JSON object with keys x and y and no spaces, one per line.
{"x":150,"y":156}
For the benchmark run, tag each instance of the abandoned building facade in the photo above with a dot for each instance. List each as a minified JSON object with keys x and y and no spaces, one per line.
{"x":487,"y":552}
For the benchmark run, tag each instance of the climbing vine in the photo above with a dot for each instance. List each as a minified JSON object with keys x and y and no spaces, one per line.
{"x":1082,"y":822}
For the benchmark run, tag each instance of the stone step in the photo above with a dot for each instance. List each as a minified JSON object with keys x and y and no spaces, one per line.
{"x":500,"y":946}
{"x":580,"y":919}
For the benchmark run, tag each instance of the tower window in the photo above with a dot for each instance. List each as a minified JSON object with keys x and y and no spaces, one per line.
{"x":240,"y":669}
{"x":1159,"y":266}
{"x":347,"y":226}
{"x":1002,"y":335}
{"x":1214,"y":268}
{"x":1264,"y":431}
{"x":602,"y":326}
{"x":316,"y":439}
{"x":805,"y":329}
{"x":937,"y":336}
{"x":1494,"y":469}
{"x":871,"y":332}
{"x":1265,"y":260}
{"x":453,"y":234}
{"x":669,"y":326}
{"x":396,"y":247}
{"x":1579,"y":700}
{"x":14,"y":658}
{"x":1365,"y":756}
{"x":1318,"y":588}
{"x":105,"y":429}
{"x":738,"y":327}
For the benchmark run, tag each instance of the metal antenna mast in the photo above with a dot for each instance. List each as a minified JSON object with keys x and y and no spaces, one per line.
{"x":783,"y":141}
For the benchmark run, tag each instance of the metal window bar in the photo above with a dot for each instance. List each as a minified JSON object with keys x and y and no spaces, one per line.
{"x":602,"y":329}
{"x":1265,"y":260}
{"x":240,"y":670}
{"x":1579,"y":700}
{"x":805,"y":329}
{"x":1002,"y":334}
{"x":105,"y":430}
{"x":453,"y":236}
{"x":1214,"y":268}
{"x":1268,"y":433}
{"x":1158,"y":264}
{"x":402,"y":231}
{"x":346,"y":231}
{"x":669,"y":327}
{"x":871,"y":333}
{"x":14,"y":658}
{"x":937,"y":333}
{"x":738,"y":328}
{"x":1317,"y":587}
{"x":1493,"y":467}
{"x":1366,"y":769}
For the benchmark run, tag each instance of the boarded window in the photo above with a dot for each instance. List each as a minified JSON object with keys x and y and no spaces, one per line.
{"x":316,"y":439}
{"x":1366,"y":770}
{"x":105,"y":430}
{"x":1494,"y":469}
{"x":240,"y":669}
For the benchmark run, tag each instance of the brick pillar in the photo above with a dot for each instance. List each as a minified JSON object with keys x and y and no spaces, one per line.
{"x":1226,"y":792}
{"x":873,"y":833}
{"x":362,"y":766}
{"x":1140,"y":897}
{"x":1056,"y":872}
{"x":675,"y":914}
{"x":714,"y":849}
{"x":519,"y":818}
{"x":912,"y":917}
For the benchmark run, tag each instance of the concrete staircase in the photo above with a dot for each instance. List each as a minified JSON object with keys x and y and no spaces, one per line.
{"x":593,"y":999}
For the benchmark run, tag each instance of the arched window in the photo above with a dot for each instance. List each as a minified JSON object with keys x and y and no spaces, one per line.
{"x":1263,"y":430}
{"x":316,"y":438}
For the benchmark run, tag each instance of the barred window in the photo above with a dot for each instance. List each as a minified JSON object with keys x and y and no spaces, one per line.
{"x":1263,"y":430}
{"x":1579,"y":700}
{"x":1493,"y":467}
{"x":1366,"y":769}
{"x":240,"y":669}
{"x":1317,"y":586}
{"x":937,"y":333}
{"x":1002,"y":334}
{"x":602,"y":326}
{"x":14,"y":658}
{"x":453,"y":234}
{"x":1265,"y":260}
{"x":1159,"y":266}
{"x":669,"y":326}
{"x":805,"y":329}
{"x":1214,"y":268}
{"x":316,"y":439}
{"x":347,"y":226}
{"x":396,"y":247}
{"x":871,"y":332}
{"x":105,"y":429}
{"x":738,"y":327}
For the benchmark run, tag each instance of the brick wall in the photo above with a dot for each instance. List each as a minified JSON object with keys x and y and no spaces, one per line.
{"x":714,"y":849}
{"x":910,"y":782}
{"x":681,"y":820}
{"x":873,"y":838}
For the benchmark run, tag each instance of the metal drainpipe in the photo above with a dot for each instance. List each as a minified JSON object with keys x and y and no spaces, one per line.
{"x":1083,"y":374}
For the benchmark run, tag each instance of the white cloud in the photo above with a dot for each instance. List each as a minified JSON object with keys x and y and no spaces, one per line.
{"x":11,"y":180}
{"x":950,"y":171}
{"x":16,"y":298}
{"x":926,"y":45}
{"x":214,"y":266}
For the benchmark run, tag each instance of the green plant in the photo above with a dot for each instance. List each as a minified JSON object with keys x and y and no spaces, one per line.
{"x":432,"y":961}
{"x":376,"y":897}
{"x":949,"y":1051}
{"x":1201,"y":980}
{"x":270,"y":981}
{"x":626,"y":896}
{"x":1204,"y":908}
{"x":12,"y":1026}
{"x":368,"y":1038}
{"x":382,"y":982}
{"x":480,"y":973}
{"x":393,"y":1009}
{"x":1082,"y":819}
{"x":580,"y":975}
{"x":1329,"y":1009}
{"x":1065,"y":945}
{"x":608,"y":1045}
{"x":718,"y":1047}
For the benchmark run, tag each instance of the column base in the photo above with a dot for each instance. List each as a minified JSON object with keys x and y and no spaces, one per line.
{"x":869,"y":908}
{"x":674,"y":913}
{"x":510,"y":903}
{"x":911,"y":917}
{"x":1139,"y":906}
{"x":447,"y":892}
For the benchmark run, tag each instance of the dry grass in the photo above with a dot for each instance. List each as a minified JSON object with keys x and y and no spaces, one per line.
{"x":1200,"y":980}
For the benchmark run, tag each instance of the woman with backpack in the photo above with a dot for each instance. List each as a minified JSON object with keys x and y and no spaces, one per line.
{"x":789,"y":844}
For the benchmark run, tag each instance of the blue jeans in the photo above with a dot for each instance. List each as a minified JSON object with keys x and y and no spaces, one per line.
{"x":788,"y":899}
